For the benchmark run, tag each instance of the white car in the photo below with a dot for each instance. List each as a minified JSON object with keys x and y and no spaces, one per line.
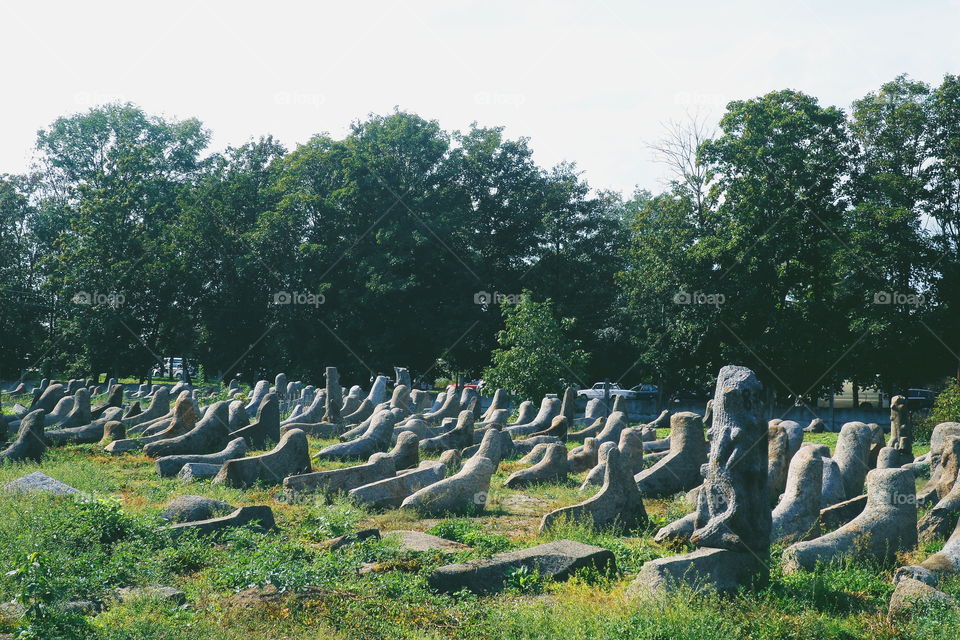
{"x":596,"y":391}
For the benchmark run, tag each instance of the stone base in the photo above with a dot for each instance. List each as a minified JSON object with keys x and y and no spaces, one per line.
{"x":717,"y":569}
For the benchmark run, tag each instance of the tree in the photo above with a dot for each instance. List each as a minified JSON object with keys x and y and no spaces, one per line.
{"x":536,"y":356}
{"x":884,"y":262}
{"x":114,"y":175}
{"x":22,"y":305}
{"x":780,"y":165}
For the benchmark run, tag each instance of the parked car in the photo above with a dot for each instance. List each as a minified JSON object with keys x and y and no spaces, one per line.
{"x":596,"y":391}
{"x":645,"y":391}
{"x":920,"y":399}
{"x":476,"y":385}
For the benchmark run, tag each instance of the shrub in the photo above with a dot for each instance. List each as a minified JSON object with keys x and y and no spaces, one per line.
{"x":946,"y":408}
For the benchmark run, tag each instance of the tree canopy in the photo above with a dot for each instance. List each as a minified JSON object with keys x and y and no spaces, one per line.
{"x":811,"y":243}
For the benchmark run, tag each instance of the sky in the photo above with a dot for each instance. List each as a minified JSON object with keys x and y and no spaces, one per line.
{"x":589,"y":82}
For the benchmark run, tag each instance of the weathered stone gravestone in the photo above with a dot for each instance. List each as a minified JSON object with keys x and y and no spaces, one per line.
{"x":39,"y":481}
{"x":731,"y":524}
{"x":799,"y":508}
{"x":852,"y":455}
{"x":465,"y":491}
{"x":901,"y":429}
{"x":618,"y":501}
{"x":887,"y":525}
{"x":680,"y":469}
{"x":291,"y":456}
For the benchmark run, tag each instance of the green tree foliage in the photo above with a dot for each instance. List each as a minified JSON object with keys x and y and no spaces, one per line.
{"x":773,"y":247}
{"x":536,"y":354}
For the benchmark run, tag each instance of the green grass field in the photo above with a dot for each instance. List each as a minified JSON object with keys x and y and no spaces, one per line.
{"x":110,"y":539}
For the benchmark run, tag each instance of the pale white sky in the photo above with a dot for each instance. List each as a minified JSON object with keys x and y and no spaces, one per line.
{"x":590,"y":82}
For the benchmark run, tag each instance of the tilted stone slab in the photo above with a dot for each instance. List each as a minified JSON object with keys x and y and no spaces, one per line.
{"x":290,"y":457}
{"x":722,"y":569}
{"x":420,"y":541}
{"x":556,"y":560}
{"x":171,"y":465}
{"x":39,"y":482}
{"x":467,"y":490}
{"x":192,"y":471}
{"x":618,"y":501}
{"x":389,"y":493}
{"x":679,"y":470}
{"x":261,"y":517}
{"x":379,"y":466}
{"x":211,"y":434}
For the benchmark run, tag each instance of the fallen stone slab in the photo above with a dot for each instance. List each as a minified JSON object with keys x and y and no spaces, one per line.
{"x":261,"y":517}
{"x":909,"y":593}
{"x":549,"y":408}
{"x":555,"y":560}
{"x":193,"y":508}
{"x":796,"y":514}
{"x":595,"y":476}
{"x":376,"y":438}
{"x":841,"y":513}
{"x":406,"y":452}
{"x":290,"y":457}
{"x":526,"y":412}
{"x":722,"y":569}
{"x":86,"y":434}
{"x":168,"y":594}
{"x":266,"y":428}
{"x":323,"y":430}
{"x":616,"y":422}
{"x":526,"y":445}
{"x":30,"y":444}
{"x":420,"y":541}
{"x":460,"y":437}
{"x":198,"y":471}
{"x":495,"y":444}
{"x":159,"y":406}
{"x":852,"y":456}
{"x":584,"y":457}
{"x":350,"y":538}
{"x":171,"y":465}
{"x":378,"y":467}
{"x":451,"y":459}
{"x":389,"y":493}
{"x":38,"y":481}
{"x":558,"y":428}
{"x":589,"y":432}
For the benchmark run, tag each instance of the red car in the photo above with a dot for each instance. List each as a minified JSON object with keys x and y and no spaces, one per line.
{"x":473,"y":384}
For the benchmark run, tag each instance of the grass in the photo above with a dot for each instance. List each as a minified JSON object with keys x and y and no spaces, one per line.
{"x":110,"y":537}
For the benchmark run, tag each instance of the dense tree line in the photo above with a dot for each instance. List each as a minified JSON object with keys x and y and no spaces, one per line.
{"x":807,"y":242}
